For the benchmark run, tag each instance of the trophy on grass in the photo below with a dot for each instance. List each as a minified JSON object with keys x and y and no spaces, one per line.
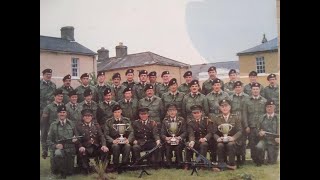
{"x":225,"y":129}
{"x":121,"y":128}
{"x":173,"y":129}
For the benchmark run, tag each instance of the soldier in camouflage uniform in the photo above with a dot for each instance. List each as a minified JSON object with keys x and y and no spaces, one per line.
{"x":129,"y":105}
{"x":173,"y":96}
{"x":62,"y":153}
{"x":93,"y":144}
{"x":47,"y":88}
{"x":227,"y":147}
{"x":49,"y":115}
{"x":207,"y":85}
{"x":88,"y":103}
{"x":272,"y":91}
{"x":228,"y":87}
{"x":146,"y":136}
{"x":237,"y":101}
{"x":269,"y":122}
{"x":180,"y":134}
{"x":184,"y":87}
{"x":112,"y":137}
{"x":130,"y":81}
{"x":194,"y":98}
{"x":153,"y":81}
{"x":200,"y":130}
{"x":253,"y":109}
{"x":85,"y":85}
{"x":163,"y":87}
{"x":101,"y":86}
{"x":66,"y":88}
{"x":73,"y":108}
{"x":105,"y":107}
{"x":139,"y":87}
{"x":116,"y":87}
{"x":154,"y":104}
{"x":253,"y":79}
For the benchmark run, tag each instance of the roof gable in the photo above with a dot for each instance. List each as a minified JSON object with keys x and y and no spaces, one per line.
{"x":271,"y":45}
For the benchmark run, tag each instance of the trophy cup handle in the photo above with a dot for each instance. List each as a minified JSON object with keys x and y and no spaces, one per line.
{"x":219,"y":128}
{"x":128,"y":126}
{"x":115,"y":127}
{"x":230,"y":127}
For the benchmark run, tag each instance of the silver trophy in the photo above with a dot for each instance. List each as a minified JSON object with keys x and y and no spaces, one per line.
{"x":173,"y":129}
{"x":225,"y":129}
{"x":121,"y":128}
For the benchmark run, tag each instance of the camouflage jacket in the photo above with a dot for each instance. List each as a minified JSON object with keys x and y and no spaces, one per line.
{"x":65,"y":92}
{"x":46,"y":93}
{"x":169,"y":98}
{"x":207,"y":86}
{"x":252,"y":110}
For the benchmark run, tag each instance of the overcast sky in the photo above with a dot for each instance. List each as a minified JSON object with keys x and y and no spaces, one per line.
{"x":191,"y":31}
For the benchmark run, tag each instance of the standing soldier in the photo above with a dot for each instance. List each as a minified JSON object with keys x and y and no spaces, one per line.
{"x":66,"y":88}
{"x":101,"y":86}
{"x":227,"y":147}
{"x":173,"y":96}
{"x":237,"y":103}
{"x":105,"y":107}
{"x":269,"y":122}
{"x":88,"y":103}
{"x":154,"y":105}
{"x":93,"y":143}
{"x":207,"y":85}
{"x":253,"y":79}
{"x":73,"y":108}
{"x":253,"y":109}
{"x":146,"y":136}
{"x":153,"y":81}
{"x":165,"y":81}
{"x":272,"y":91}
{"x":130,"y":81}
{"x":84,"y":78}
{"x":47,"y":88}
{"x":200,"y":130}
{"x":62,"y":153}
{"x":184,"y":87}
{"x":228,"y":87}
{"x":180,"y":134}
{"x":112,"y":137}
{"x":194,"y":98}
{"x":49,"y":115}
{"x":129,"y":105}
{"x":116,"y":87}
{"x":139,"y":87}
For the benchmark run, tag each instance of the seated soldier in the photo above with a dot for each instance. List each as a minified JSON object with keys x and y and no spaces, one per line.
{"x":179,"y":129}
{"x":63,"y":152}
{"x":268,"y":123}
{"x":93,"y":144}
{"x":200,"y":129}
{"x":146,"y":137}
{"x":226,"y":145}
{"x":112,"y":137}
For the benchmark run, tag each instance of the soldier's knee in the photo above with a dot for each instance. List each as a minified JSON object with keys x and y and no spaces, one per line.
{"x":115,"y":147}
{"x":127,"y":146}
{"x":220,"y":146}
{"x":135,"y":147}
{"x":231,"y":144}
{"x":204,"y":144}
{"x":58,"y":153}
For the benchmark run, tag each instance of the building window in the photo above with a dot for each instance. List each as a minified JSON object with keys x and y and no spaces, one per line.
{"x":260,"y":65}
{"x":75,"y":67}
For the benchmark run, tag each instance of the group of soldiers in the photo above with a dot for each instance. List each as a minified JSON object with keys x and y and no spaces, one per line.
{"x":82,"y":122}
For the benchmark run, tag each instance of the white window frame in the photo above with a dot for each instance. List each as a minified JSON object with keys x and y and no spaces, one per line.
{"x":77,"y":66}
{"x":260,"y":64}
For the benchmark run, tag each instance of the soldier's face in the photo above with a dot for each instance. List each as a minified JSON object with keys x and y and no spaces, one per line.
{"x":150,"y":92}
{"x":108,"y":97}
{"x":253,"y":78}
{"x":272,"y":81}
{"x":67,"y":82}
{"x":58,"y":98}
{"x":233,"y":76}
{"x":225,"y":108}
{"x":128,"y":95}
{"x":270,"y":109}
{"x":172,"y":113}
{"x":152,"y":79}
{"x":88,"y":98}
{"x":143,"y":77}
{"x":194,"y":88}
{"x":62,"y":115}
{"x":255,"y":91}
{"x":143,"y":116}
{"x":166,"y":78}
{"x":173,"y":87}
{"x":73,"y":99}
{"x":87,"y":118}
{"x":238,"y":89}
{"x":85,"y":81}
{"x":117,"y":114}
{"x":212,"y":74}
{"x":116,"y":81}
{"x":197,"y":114}
{"x":129,"y":77}
{"x":188,"y":79}
{"x":101,"y":78}
{"x":47,"y":76}
{"x":216,"y":87}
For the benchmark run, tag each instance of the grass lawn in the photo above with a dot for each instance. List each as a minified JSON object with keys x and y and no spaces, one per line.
{"x":264,"y":172}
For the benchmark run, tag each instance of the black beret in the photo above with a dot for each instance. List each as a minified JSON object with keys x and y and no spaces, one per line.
{"x":223,"y":101}
{"x":232,"y":71}
{"x":171,"y":105}
{"x":129,"y":71}
{"x":47,"y":71}
{"x":57,"y":92}
{"x":196,"y":108}
{"x":100,"y":73}
{"x":270,"y":102}
{"x":172,"y":81}
{"x":253,"y":73}
{"x":237,"y":83}
{"x":143,"y":110}
{"x":193,"y":82}
{"x":255,"y":85}
{"x":116,"y":75}
{"x":87,"y":92}
{"x":148,"y":86}
{"x":271,"y":76}
{"x":116,"y":108}
{"x":188,"y":73}
{"x":143,"y":72}
{"x":61,"y":108}
{"x":73,"y":92}
{"x":164,"y":72}
{"x":152,"y":73}
{"x":127,"y":89}
{"x":106,"y":91}
{"x":212,"y":68}
{"x":66,"y":77}
{"x":86,"y":111}
{"x":217,"y":80}
{"x":84,"y":75}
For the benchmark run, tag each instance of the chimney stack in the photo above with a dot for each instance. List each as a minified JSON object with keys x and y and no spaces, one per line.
{"x":121,"y":50}
{"x":67,"y":33}
{"x":103,"y":54}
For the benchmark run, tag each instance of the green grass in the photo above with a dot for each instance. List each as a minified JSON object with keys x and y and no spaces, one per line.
{"x":264,"y":172}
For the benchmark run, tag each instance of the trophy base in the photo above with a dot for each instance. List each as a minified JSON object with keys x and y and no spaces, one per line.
{"x":173,"y":143}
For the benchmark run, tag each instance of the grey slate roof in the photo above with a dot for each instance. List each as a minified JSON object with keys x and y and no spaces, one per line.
{"x":271,"y":45}
{"x":198,"y":68}
{"x":138,"y":59}
{"x":63,"y":45}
